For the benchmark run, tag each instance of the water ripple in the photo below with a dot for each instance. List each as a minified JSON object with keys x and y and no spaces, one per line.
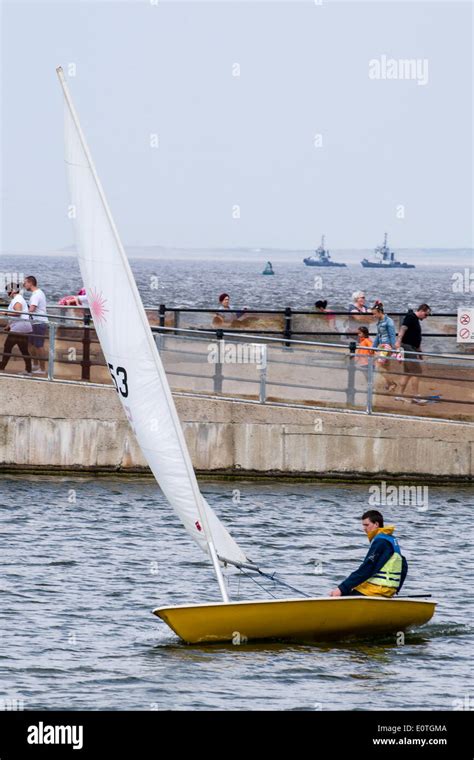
{"x":79,"y":583}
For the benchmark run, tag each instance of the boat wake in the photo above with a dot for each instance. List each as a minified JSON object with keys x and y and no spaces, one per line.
{"x":439,"y":630}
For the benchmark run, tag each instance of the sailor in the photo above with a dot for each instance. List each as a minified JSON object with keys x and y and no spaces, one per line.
{"x":383,"y":571}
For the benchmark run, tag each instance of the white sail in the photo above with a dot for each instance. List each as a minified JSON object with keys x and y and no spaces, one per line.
{"x":128,"y":346}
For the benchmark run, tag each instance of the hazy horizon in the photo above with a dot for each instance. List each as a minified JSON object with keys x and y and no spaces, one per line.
{"x":460,"y":257}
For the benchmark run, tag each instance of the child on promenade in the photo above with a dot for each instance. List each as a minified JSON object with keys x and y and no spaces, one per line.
{"x":363,"y":345}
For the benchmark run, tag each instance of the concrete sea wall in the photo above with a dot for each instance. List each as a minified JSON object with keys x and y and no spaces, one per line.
{"x":60,"y":426}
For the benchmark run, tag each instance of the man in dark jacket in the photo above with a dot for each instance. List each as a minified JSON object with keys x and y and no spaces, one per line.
{"x":384,"y":569}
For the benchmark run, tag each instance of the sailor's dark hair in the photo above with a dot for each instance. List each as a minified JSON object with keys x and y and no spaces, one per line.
{"x":321,"y":304}
{"x":374,"y":516}
{"x":32,"y":279}
{"x":222,"y":296}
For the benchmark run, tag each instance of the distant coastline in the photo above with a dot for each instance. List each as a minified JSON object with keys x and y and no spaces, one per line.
{"x":419,"y":256}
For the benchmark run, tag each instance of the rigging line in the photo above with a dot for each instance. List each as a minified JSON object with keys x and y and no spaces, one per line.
{"x":267,"y":591}
{"x":255,"y":568}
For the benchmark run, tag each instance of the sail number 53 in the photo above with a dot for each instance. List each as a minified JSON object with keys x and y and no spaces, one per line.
{"x":119,"y":376}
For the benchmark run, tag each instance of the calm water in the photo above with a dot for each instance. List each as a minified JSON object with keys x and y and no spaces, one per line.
{"x":80,"y":578}
{"x":197,"y":283}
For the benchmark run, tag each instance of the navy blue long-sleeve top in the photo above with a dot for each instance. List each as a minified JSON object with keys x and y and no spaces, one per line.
{"x":379,"y":553}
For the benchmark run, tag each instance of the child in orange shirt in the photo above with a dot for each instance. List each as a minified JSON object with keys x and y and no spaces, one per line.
{"x":363,"y":340}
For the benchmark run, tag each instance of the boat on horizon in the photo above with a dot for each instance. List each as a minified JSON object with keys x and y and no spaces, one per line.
{"x":387,"y":258}
{"x":141,"y":384}
{"x":322,"y":258}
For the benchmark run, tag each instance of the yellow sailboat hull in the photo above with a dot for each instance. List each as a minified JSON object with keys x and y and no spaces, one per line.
{"x":294,"y":619}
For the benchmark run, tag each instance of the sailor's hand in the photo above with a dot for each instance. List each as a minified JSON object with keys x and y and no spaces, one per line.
{"x":335,"y":592}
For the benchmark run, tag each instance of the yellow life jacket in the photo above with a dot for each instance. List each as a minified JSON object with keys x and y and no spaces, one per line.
{"x":386,"y":581}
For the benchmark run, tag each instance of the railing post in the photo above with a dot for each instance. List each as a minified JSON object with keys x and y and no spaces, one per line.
{"x":160,"y":336}
{"x":218,"y":368}
{"x":262,"y":396}
{"x":288,"y":331}
{"x":86,"y":349}
{"x":51,"y":350}
{"x":370,"y":384}
{"x":351,"y":374}
{"x":162,"y":313}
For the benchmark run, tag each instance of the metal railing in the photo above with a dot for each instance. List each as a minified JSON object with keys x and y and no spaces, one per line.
{"x":332,"y":357}
{"x":287,"y":322}
{"x":288,"y":314}
{"x":55,"y":322}
{"x":281,"y":373}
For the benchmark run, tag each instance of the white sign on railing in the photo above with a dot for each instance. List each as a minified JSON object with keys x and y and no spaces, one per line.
{"x":465,"y":326}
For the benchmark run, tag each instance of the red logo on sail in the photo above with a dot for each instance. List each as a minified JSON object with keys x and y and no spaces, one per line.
{"x":97,"y":306}
{"x":198,"y":525}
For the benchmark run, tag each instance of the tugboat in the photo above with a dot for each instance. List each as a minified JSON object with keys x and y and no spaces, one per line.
{"x":387,"y":259}
{"x":268,"y":269}
{"x":323,"y":258}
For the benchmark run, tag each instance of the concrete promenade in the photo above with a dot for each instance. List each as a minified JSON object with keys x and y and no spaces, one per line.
{"x":71,"y":427}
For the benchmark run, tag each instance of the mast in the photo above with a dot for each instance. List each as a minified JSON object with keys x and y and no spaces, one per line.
{"x":384,"y":249}
{"x":322,"y":253}
{"x":179,"y":433}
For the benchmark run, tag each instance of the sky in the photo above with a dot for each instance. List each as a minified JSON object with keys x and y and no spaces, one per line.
{"x":242,"y":124}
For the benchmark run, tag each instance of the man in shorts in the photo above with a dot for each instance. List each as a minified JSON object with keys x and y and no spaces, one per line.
{"x":409,"y":338}
{"x":37,"y":308}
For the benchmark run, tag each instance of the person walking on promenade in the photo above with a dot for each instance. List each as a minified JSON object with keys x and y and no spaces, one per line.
{"x":358,"y":305}
{"x":19,"y":327}
{"x":224,"y":315}
{"x":37,"y":307}
{"x":384,"y":569}
{"x":364,"y":343}
{"x":386,"y":332}
{"x":321,"y":308}
{"x":409,"y":338}
{"x":75,"y":300}
{"x":359,"y":313}
{"x":229,"y":315}
{"x":224,"y":301}
{"x":386,"y":338}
